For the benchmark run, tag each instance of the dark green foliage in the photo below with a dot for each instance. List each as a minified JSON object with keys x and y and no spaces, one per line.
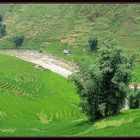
{"x":18,"y":40}
{"x":134,"y":100}
{"x":116,"y":73}
{"x":93,"y":43}
{"x":2,"y":27}
{"x":103,"y":87}
{"x":2,"y":30}
{"x":1,"y":18}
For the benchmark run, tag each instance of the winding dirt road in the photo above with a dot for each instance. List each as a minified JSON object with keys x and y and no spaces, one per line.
{"x":45,"y":60}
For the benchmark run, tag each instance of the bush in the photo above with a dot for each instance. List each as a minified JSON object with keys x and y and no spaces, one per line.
{"x":110,"y":42}
{"x":2,"y":30}
{"x":18,"y":40}
{"x":134,"y":100}
{"x":103,"y":87}
{"x":1,"y":18}
{"x":93,"y":43}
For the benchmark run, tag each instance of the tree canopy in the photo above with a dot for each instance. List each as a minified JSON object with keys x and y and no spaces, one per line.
{"x":103,"y":87}
{"x":18,"y":40}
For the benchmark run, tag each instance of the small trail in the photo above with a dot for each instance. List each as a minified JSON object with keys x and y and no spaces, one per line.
{"x":45,"y":60}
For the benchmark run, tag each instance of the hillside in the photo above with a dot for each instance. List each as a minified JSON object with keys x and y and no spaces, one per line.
{"x":36,"y":102}
{"x":55,"y":27}
{"x":28,"y":97}
{"x":48,"y":111}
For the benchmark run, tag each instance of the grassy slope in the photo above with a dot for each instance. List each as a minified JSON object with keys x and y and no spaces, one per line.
{"x":125,"y":124}
{"x":55,"y":27}
{"x":55,"y":102}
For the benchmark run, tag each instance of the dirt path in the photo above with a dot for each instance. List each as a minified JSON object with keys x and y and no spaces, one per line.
{"x":45,"y":60}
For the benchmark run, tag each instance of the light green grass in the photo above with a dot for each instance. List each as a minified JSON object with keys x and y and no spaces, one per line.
{"x":53,"y":110}
{"x":55,"y":101}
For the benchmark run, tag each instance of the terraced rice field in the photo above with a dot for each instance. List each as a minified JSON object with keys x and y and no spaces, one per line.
{"x":41,"y":103}
{"x":32,"y":99}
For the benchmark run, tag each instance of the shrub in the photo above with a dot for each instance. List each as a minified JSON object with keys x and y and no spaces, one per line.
{"x":2,"y":30}
{"x":1,"y":18}
{"x":103,"y":87}
{"x":134,"y":100}
{"x":93,"y":43}
{"x":110,"y":42}
{"x":18,"y":40}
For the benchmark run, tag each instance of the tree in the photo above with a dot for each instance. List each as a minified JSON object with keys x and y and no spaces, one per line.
{"x":18,"y":40}
{"x":93,"y":43}
{"x":1,"y":18}
{"x":103,"y":87}
{"x":2,"y":30}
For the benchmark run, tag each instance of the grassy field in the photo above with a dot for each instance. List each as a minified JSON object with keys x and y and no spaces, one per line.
{"x":41,"y":103}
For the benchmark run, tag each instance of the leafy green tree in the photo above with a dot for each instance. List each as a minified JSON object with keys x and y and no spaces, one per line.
{"x":2,"y":30}
{"x":93,"y":43}
{"x":103,"y":87}
{"x":18,"y":40}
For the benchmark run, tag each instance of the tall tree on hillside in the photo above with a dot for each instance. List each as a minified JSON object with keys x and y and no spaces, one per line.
{"x":103,"y":87}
